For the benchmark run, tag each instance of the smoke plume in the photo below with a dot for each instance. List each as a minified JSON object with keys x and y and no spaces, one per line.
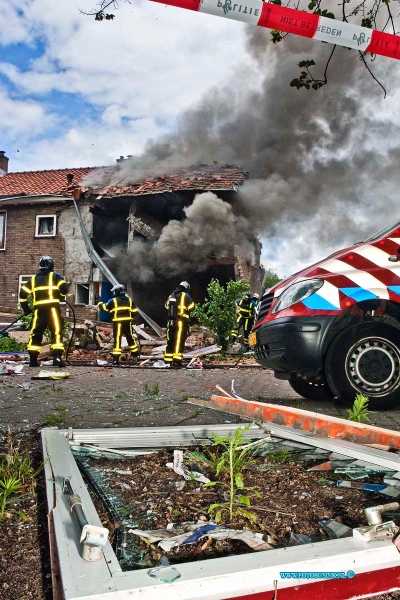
{"x":210,"y":229}
{"x":323,"y":164}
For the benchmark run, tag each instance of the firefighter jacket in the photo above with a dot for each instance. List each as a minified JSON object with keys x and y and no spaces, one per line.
{"x":121,"y":308}
{"x":46,"y":288}
{"x":246,"y":308}
{"x":179,"y":305}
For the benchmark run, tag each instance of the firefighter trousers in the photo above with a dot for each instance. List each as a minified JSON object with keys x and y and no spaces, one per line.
{"x":121,"y":328}
{"x":177,"y":332}
{"x":247,"y":325}
{"x":43,"y":318}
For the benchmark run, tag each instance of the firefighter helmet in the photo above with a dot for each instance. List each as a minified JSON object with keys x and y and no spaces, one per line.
{"x":46,"y":262}
{"x":185,"y":285}
{"x":256,"y":296}
{"x":247,"y":294}
{"x":119,"y":290}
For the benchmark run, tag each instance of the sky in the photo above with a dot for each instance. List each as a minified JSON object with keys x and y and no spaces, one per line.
{"x":77,"y":93}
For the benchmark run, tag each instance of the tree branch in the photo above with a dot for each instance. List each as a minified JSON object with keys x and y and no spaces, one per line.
{"x":371,"y":73}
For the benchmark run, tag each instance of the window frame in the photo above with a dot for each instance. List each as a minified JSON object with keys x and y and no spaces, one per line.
{"x":37,"y":228}
{"x":85,"y":285}
{"x":3,"y":246}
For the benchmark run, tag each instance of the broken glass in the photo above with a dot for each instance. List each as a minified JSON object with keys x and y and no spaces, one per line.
{"x":335,"y":530}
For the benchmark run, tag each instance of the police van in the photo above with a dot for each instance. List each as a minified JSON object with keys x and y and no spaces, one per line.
{"x":333,"y":329}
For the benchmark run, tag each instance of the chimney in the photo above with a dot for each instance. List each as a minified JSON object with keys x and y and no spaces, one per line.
{"x":70,"y":177}
{"x":3,"y":163}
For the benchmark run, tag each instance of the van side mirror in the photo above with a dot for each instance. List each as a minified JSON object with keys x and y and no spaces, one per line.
{"x":393,"y":258}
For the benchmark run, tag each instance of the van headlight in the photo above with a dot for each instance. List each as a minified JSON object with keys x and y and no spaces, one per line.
{"x":297,"y":292}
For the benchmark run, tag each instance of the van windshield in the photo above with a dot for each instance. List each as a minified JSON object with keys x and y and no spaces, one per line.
{"x":384,"y":232}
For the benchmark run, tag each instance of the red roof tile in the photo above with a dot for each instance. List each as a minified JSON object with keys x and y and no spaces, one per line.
{"x":198,"y":178}
{"x":41,"y":182}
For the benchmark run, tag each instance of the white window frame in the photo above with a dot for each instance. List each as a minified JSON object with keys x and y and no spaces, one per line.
{"x":38,"y":217}
{"x":3,"y":247}
{"x":23,"y":279}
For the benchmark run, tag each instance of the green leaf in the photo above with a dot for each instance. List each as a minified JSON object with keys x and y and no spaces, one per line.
{"x":214,"y":506}
{"x":220,"y":465}
{"x":218,"y":516}
{"x":257,"y":493}
{"x":211,"y":483}
{"x":244,"y":500}
{"x":246,"y":513}
{"x":239,"y":481}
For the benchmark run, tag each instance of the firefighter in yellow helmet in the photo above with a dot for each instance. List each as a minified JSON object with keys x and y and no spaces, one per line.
{"x":46,"y":289}
{"x":246,"y":311}
{"x":179,"y":306}
{"x":122,"y":310}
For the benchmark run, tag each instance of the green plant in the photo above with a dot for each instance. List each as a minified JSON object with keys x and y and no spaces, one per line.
{"x":218,"y":309}
{"x":234,"y":459}
{"x":8,"y":344}
{"x":359,"y":411}
{"x":154,"y":391}
{"x":52,"y":420}
{"x":280,"y":457}
{"x":17,"y":476}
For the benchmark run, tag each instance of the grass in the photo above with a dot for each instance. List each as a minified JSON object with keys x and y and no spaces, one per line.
{"x":154,"y":391}
{"x":52,"y":420}
{"x":281,"y":457}
{"x":17,"y":477}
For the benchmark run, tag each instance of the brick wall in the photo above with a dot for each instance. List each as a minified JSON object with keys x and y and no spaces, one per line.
{"x":23,"y":249}
{"x":3,"y":161}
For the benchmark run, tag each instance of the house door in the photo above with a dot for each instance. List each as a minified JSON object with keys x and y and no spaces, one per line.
{"x":105,"y":296}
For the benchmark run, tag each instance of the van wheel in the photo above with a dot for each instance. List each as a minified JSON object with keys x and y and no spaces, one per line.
{"x":311,"y":390}
{"x":365,"y":359}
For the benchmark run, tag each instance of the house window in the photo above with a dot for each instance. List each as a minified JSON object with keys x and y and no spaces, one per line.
{"x":22,"y":280}
{"x":45,"y":225}
{"x":81,"y":293}
{"x":3,"y":218}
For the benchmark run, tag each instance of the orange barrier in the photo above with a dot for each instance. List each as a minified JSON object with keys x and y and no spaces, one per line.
{"x":305,"y":420}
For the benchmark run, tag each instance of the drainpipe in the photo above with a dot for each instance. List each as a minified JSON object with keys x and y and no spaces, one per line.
{"x":93,"y":538}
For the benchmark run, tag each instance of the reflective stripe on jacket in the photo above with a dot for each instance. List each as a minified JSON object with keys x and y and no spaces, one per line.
{"x":121,"y":308}
{"x":246,"y":308}
{"x":45,"y":288}
{"x":184,"y":304}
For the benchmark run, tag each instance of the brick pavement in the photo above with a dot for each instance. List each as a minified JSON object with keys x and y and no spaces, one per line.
{"x":118,"y":397}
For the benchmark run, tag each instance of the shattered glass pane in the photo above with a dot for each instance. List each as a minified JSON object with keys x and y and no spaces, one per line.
{"x":298,"y":539}
{"x":335,"y":530}
{"x":165,"y":574}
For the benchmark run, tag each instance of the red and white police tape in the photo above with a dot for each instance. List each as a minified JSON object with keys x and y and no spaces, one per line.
{"x":299,"y":22}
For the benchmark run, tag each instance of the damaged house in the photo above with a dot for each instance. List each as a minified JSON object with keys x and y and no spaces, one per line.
{"x":151,"y":232}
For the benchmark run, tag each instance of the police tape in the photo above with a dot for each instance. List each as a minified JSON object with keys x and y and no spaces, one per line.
{"x":297,"y":22}
{"x":317,"y":574}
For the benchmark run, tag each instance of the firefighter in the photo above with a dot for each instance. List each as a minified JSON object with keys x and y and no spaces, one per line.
{"x":245,"y":318}
{"x":46,"y":289}
{"x":122,"y":310}
{"x":179,"y":306}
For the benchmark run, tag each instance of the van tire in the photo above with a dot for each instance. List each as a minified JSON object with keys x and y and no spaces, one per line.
{"x":365,"y":359}
{"x":311,"y":390}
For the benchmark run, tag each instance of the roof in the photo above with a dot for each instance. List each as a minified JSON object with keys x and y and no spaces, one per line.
{"x":196,"y":177}
{"x":41,"y":182}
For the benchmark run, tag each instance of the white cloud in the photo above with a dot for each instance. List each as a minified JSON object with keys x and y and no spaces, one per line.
{"x":24,"y":117}
{"x":151,"y":61}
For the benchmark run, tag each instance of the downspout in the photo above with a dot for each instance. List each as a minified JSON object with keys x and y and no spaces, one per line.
{"x":102,"y":266}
